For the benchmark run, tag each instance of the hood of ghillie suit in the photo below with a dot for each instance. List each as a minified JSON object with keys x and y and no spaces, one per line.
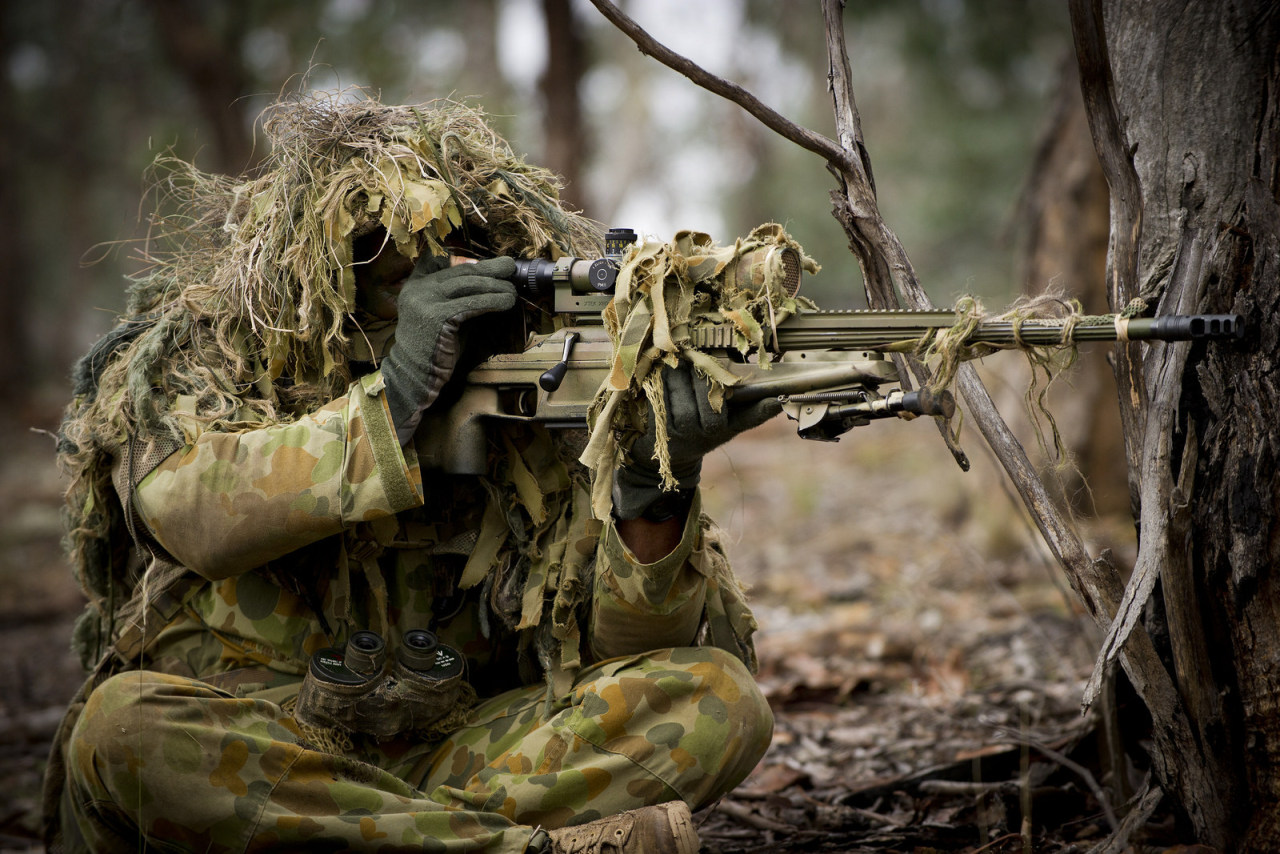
{"x":244,"y":312}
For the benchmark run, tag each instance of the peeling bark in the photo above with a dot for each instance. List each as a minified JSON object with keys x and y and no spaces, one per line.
{"x":1182,"y":103}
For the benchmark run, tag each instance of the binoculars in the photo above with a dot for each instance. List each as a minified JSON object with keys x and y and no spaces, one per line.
{"x":361,"y":689}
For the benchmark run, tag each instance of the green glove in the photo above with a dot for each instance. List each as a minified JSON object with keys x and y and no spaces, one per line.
{"x":694,"y":429}
{"x":433,"y":305}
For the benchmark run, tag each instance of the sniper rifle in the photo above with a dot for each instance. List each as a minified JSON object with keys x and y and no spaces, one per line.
{"x":830,"y":370}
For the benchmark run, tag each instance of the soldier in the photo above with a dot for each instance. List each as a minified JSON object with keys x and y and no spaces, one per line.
{"x":246,"y":492}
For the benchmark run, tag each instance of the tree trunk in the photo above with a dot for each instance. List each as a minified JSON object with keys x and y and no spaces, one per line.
{"x":15,"y":266}
{"x":1182,"y":98}
{"x":565,"y":144}
{"x":207,"y":57}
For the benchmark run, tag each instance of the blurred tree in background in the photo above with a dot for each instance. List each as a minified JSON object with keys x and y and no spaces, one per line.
{"x":952,"y":94}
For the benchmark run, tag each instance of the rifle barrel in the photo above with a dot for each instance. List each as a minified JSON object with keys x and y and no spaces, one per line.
{"x":874,"y":330}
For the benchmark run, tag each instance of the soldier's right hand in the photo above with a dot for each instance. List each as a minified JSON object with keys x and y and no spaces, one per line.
{"x":694,"y":428}
{"x":432,"y":306}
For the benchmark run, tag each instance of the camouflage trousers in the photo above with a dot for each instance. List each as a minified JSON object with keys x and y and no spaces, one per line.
{"x":174,"y":764}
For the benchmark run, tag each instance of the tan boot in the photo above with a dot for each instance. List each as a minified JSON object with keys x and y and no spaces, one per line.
{"x":661,"y":829}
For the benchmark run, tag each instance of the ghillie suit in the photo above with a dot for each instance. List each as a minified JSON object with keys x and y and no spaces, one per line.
{"x":236,"y":416}
{"x":243,"y":313}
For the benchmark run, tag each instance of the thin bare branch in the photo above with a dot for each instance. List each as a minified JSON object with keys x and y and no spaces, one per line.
{"x":1138,"y":816}
{"x":840,"y":79}
{"x":1098,"y":89}
{"x":770,"y":118}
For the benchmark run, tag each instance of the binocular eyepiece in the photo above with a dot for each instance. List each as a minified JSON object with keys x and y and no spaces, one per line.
{"x":356,"y":688}
{"x":418,"y":650}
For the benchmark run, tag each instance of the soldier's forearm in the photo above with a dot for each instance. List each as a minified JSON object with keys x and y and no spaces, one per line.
{"x":232,"y":501}
{"x":639,"y":603}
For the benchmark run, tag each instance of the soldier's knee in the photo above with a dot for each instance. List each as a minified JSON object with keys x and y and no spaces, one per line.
{"x":721,"y":670}
{"x":730,"y":680}
{"x":111,"y":699}
{"x":117,"y":715}
{"x":739,"y":720}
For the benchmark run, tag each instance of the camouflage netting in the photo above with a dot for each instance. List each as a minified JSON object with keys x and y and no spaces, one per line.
{"x":244,"y":309}
{"x":664,"y":292}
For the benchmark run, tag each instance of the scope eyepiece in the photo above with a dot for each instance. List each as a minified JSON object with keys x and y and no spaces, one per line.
{"x":536,"y":276}
{"x":533,"y":276}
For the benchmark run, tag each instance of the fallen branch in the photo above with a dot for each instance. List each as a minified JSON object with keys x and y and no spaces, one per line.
{"x":751,"y":818}
{"x":1137,"y":817}
{"x":1079,"y":770}
{"x":968,"y":787}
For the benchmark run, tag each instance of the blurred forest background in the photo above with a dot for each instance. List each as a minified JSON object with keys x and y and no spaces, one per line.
{"x":926,"y":597}
{"x":953,"y":96}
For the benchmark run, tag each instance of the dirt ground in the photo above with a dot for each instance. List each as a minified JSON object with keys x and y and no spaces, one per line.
{"x":924,"y":660}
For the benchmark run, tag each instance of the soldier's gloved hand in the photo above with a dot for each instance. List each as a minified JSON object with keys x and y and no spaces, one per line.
{"x":433,"y":304}
{"x":694,"y":430}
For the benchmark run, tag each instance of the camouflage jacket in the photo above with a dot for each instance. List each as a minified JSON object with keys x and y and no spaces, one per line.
{"x":296,"y":535}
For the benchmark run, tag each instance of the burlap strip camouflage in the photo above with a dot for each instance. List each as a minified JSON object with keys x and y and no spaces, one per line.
{"x":663,"y":291}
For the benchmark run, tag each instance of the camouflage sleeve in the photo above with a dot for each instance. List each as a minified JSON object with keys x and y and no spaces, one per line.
{"x":229,"y":502}
{"x":639,"y":607}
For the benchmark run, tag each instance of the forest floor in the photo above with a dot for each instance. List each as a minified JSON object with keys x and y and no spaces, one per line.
{"x":924,"y":659}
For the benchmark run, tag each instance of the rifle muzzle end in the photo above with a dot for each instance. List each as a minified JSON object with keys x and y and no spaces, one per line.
{"x":1187,"y":327}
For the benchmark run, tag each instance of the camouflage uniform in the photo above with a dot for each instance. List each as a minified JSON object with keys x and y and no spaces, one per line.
{"x":604,"y":684}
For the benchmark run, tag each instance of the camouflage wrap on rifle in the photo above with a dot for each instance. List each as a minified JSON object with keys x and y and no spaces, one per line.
{"x":665,"y":291}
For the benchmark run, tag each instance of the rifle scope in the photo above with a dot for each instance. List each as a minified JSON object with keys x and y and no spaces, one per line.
{"x":535,"y":276}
